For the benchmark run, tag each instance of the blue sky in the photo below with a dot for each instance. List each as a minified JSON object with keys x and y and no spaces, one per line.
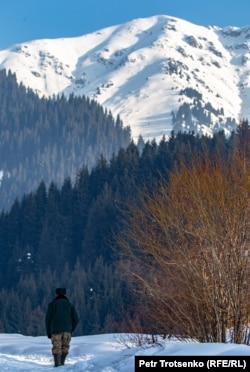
{"x":25,"y":20}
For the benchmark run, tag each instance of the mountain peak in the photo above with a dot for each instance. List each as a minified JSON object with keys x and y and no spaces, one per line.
{"x":159,"y":73}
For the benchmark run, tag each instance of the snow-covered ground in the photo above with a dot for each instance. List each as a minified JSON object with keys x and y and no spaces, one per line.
{"x":99,"y":353}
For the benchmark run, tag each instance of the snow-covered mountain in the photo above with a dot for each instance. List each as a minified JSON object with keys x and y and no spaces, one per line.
{"x":159,"y":73}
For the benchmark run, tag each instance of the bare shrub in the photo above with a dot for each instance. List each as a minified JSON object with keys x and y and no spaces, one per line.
{"x":186,"y":247}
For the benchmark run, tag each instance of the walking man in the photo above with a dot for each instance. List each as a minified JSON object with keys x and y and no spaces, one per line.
{"x":61,"y":320}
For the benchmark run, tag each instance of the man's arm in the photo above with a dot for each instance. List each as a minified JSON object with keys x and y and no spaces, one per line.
{"x":48,"y":320}
{"x":74,"y":317}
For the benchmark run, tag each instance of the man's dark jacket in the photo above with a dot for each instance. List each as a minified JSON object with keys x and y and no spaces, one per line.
{"x":61,"y":316}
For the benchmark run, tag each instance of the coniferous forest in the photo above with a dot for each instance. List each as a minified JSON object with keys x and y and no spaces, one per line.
{"x":50,"y":139}
{"x":62,"y":232}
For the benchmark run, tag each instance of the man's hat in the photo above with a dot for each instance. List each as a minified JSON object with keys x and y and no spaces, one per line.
{"x":61,"y":291}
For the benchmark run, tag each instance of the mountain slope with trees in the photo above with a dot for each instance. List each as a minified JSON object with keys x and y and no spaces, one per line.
{"x":50,"y":139}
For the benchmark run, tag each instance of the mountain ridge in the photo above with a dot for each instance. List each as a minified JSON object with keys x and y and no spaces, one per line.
{"x":158,"y":74}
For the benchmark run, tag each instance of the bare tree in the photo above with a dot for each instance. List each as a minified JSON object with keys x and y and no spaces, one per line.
{"x":186,"y":250}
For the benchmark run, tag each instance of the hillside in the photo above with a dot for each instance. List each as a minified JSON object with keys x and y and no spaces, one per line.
{"x":50,"y":139}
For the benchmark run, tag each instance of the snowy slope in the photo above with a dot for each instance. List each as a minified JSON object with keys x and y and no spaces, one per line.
{"x":138,"y":69}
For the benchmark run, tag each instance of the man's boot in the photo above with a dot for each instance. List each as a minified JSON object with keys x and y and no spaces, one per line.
{"x":63,"y":357}
{"x":57,"y":360}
